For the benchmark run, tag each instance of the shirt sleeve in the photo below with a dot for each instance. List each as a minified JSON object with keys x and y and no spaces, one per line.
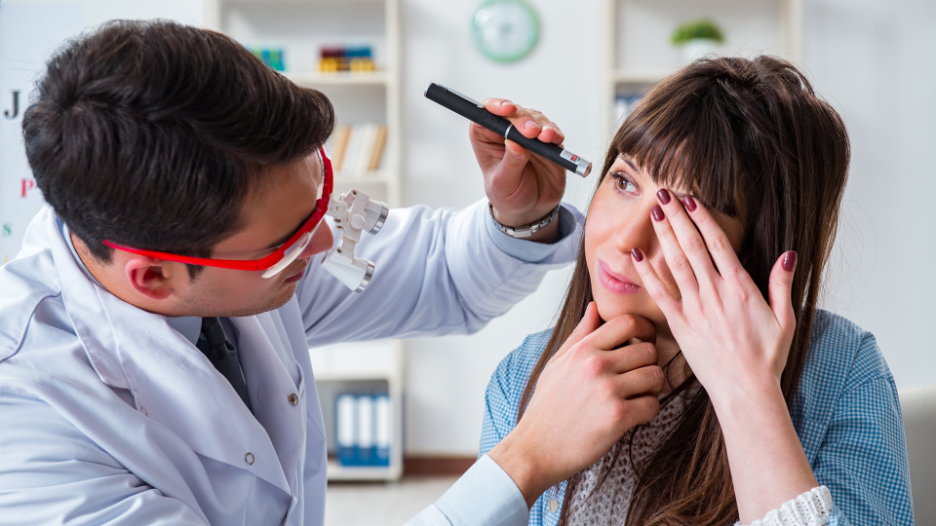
{"x":484,"y":496}
{"x":531,"y":251}
{"x":51,"y":473}
{"x":863,"y":457}
{"x":813,"y":508}
{"x":437,"y":272}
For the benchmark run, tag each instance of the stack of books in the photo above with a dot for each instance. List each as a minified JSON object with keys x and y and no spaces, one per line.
{"x":346,"y":58}
{"x":364,"y":424}
{"x":271,"y":56}
{"x":357,"y":148}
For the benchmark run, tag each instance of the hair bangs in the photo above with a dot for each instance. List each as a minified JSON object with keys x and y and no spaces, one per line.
{"x":684,"y":144}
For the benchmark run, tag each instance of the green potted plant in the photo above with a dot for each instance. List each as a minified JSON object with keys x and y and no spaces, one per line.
{"x":698,"y":38}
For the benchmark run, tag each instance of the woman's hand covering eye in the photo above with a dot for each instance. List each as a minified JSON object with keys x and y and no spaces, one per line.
{"x":737,"y":345}
{"x":731,"y":337}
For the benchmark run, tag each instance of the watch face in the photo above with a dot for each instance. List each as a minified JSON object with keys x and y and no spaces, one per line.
{"x":505,"y":30}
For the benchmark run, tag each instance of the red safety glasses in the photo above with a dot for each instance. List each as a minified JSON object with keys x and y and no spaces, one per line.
{"x":275,"y":262}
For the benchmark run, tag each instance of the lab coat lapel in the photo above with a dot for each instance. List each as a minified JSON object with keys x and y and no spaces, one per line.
{"x":274,"y":381}
{"x":172,"y":382}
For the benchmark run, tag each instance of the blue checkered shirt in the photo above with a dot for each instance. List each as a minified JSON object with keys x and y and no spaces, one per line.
{"x":845,"y":411}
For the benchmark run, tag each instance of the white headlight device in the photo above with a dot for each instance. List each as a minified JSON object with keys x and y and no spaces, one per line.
{"x":354,"y":213}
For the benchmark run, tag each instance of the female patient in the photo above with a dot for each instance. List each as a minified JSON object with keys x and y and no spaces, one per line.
{"x":713,"y":219}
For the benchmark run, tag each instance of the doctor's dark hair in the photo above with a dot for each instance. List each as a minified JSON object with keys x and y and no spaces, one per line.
{"x":752,"y":140}
{"x":151,"y":134}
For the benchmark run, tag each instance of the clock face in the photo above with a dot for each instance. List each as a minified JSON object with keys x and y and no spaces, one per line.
{"x":505,"y":30}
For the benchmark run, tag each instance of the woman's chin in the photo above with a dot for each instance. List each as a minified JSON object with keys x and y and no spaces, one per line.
{"x":611,"y":306}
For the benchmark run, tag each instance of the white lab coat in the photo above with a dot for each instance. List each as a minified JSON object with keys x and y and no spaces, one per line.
{"x":109,"y":415}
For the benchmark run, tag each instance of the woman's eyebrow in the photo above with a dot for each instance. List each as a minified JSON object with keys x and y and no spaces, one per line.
{"x":633,"y":165}
{"x":629,"y":162}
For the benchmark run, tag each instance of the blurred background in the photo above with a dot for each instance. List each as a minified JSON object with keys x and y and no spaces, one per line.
{"x":583,"y":64}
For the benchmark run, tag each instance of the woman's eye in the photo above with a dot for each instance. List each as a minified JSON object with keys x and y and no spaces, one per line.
{"x":623,"y":184}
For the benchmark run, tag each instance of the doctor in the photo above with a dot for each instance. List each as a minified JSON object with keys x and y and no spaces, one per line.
{"x":154,"y":330}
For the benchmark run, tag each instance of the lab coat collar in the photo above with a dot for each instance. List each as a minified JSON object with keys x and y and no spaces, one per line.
{"x":172,"y":382}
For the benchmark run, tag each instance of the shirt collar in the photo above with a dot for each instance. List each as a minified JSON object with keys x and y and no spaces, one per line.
{"x":187,"y":326}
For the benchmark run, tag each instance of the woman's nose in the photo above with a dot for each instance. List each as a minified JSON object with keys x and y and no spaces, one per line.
{"x":637,"y":232}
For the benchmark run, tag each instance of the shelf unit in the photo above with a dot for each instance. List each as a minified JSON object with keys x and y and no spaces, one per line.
{"x":637,"y":49}
{"x":301,"y":28}
{"x":361,"y":367}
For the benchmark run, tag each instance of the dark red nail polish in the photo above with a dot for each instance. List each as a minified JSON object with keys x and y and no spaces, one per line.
{"x":789,"y":261}
{"x":663,"y":196}
{"x":689,"y":203}
{"x":657,"y":213}
{"x":638,"y":255}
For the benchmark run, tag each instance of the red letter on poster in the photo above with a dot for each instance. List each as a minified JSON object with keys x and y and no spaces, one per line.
{"x":28,"y":184}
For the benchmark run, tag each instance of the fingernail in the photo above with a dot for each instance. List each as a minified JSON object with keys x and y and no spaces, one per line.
{"x":663,"y":196}
{"x":506,"y":103}
{"x":689,"y":203}
{"x":637,"y":254}
{"x":512,"y":152}
{"x":789,"y":261}
{"x":530,"y":124}
{"x":657,"y":213}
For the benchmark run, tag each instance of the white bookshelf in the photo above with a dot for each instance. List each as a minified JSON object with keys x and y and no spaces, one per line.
{"x":361,"y":367}
{"x":301,"y":28}
{"x":637,"y":49}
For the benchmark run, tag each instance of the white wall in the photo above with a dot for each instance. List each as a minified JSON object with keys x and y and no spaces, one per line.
{"x":874,"y":61}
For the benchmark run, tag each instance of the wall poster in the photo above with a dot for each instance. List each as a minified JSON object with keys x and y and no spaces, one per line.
{"x":29,"y":33}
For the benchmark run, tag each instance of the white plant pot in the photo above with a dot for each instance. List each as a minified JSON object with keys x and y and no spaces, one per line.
{"x":698,"y":48}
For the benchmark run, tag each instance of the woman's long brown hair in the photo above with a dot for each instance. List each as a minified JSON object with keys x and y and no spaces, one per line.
{"x":752,"y":140}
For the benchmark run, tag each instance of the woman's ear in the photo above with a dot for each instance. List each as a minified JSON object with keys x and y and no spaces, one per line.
{"x":149,"y":277}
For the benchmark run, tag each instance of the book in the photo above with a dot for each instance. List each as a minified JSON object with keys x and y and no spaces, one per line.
{"x":338,"y":145}
{"x":364,"y":430}
{"x":380,"y":141}
{"x":353,"y":150}
{"x":383,"y":429}
{"x":345,"y":440}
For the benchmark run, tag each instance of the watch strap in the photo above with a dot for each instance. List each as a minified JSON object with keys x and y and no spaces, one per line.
{"x":526,"y":230}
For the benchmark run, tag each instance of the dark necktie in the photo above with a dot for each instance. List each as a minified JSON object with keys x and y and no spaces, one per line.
{"x":223,"y":355}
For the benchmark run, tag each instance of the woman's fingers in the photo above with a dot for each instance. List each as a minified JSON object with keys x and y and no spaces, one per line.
{"x":780,"y":291}
{"x":716,"y":241}
{"x":690,"y":241}
{"x":654,"y":285}
{"x":679,"y":265}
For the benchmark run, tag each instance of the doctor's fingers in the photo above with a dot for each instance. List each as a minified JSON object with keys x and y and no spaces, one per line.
{"x":589,"y":322}
{"x":617,"y":331}
{"x":643,"y":381}
{"x":630,"y":357}
{"x":529,"y":122}
{"x":636,"y":411}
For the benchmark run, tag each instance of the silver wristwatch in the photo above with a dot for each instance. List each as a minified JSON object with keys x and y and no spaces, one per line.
{"x":527,"y":230}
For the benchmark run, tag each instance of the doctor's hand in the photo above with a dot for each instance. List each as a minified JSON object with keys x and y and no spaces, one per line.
{"x":587,"y":397}
{"x":523,"y":188}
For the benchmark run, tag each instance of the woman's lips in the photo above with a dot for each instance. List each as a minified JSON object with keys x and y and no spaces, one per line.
{"x":615,"y":283}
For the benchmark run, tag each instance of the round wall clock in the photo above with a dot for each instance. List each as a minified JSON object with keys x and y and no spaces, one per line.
{"x":505,"y":30}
